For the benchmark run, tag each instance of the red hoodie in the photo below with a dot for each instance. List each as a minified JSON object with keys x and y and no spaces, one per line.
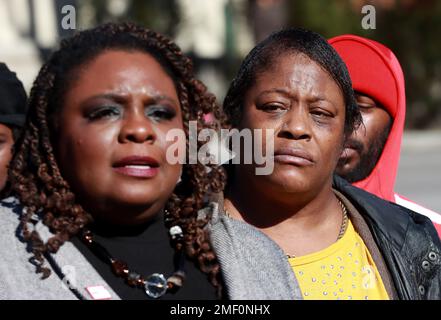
{"x":376,"y":72}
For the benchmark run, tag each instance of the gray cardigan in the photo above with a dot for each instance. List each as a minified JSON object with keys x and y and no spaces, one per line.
{"x":237,"y":244}
{"x":253,"y":266}
{"x":18,"y":280}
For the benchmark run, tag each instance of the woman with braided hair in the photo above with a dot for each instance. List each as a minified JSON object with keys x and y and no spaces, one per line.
{"x":99,"y":212}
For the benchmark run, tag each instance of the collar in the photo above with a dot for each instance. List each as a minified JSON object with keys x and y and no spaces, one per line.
{"x":380,"y":215}
{"x":74,"y":270}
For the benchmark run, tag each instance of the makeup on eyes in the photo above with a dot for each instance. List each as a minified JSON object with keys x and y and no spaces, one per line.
{"x":160,"y":112}
{"x":108,"y":106}
{"x":105,"y":111}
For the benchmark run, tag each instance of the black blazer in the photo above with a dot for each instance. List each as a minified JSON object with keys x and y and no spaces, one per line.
{"x":407,"y":240}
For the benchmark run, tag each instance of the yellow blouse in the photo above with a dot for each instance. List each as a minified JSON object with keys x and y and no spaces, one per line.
{"x":343,"y":271}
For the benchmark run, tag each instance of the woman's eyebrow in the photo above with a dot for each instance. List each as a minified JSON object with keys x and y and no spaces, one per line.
{"x":164,"y":97}
{"x":314,"y":97}
{"x":319,"y":98}
{"x":120,"y":97}
{"x":275,"y":90}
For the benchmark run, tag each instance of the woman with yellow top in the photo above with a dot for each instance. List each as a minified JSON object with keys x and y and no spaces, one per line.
{"x":299,"y":226}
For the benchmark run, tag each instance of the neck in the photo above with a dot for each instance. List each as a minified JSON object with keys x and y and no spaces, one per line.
{"x":122,"y":215}
{"x":264,"y":209}
{"x":106,"y":228}
{"x":292,"y":220}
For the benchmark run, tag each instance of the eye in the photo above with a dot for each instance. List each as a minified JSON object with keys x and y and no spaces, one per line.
{"x":320,"y":113}
{"x":273,"y":107}
{"x":104,"y":112}
{"x":365,"y":107}
{"x":160,"y":113}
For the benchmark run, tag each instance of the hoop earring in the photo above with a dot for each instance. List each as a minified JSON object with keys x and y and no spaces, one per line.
{"x":180,"y":178}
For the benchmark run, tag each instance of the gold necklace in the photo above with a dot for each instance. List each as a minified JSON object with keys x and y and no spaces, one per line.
{"x":344,"y":223}
{"x":343,"y":227}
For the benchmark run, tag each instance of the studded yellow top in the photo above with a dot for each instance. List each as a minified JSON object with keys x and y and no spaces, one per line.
{"x":343,"y":271}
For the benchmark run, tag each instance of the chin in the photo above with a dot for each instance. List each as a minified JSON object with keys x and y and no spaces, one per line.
{"x":345,"y":169}
{"x":138,"y":199}
{"x":290,"y":182}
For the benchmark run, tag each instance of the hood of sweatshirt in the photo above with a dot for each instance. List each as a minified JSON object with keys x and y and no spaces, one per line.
{"x":376,"y":72}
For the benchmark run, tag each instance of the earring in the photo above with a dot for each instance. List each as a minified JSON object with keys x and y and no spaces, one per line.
{"x":180,"y":178}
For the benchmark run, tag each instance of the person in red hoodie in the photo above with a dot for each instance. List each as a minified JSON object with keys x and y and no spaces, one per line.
{"x":370,"y":158}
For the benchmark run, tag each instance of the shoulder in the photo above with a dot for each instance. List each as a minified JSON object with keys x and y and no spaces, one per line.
{"x":252,"y":264}
{"x":408,"y":241}
{"x":18,"y":278}
{"x":10,"y":229}
{"x":9,"y":203}
{"x":10,"y":213}
{"x":15,"y":255}
{"x":394,"y":221}
{"x":409,"y":204}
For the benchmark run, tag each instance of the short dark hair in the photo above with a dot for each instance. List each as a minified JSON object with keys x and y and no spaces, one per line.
{"x":293,"y":40}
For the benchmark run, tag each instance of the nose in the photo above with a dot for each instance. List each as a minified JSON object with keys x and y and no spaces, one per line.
{"x":296,"y":125}
{"x":136,"y":127}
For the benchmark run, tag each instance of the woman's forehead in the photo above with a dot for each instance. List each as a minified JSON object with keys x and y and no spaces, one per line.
{"x":123,"y":71}
{"x":297,"y":72}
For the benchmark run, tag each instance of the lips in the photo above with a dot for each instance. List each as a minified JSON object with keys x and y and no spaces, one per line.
{"x":348,"y":153}
{"x":137,"y":166}
{"x":293,"y":156}
{"x":352,"y":149}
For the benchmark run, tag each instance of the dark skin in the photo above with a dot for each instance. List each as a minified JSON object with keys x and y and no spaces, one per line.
{"x":359,"y":147}
{"x":111,"y":131}
{"x":6,"y":143}
{"x":295,"y":205}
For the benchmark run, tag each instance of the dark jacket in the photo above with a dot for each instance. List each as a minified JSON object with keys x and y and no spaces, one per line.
{"x":407,"y":241}
{"x":403,"y":244}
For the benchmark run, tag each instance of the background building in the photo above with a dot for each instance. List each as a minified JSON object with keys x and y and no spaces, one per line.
{"x":217,"y":34}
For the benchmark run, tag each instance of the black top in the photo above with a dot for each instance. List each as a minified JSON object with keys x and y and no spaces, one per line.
{"x":146,"y":250}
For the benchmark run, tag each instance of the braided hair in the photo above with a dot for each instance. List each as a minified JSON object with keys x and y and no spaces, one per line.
{"x":294,"y":40}
{"x":35,"y":175}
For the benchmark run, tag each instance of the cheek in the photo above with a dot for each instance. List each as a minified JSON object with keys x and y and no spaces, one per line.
{"x":332,"y":148}
{"x":5,"y":158}
{"x":5,"y":155}
{"x":376,"y":122}
{"x":90,"y":148}
{"x":176,"y":140}
{"x":177,"y":147}
{"x":367,"y":129}
{"x":84,"y":152}
{"x":255,"y":119}
{"x":368,"y":122}
{"x":331,"y":141}
{"x":250,"y":118}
